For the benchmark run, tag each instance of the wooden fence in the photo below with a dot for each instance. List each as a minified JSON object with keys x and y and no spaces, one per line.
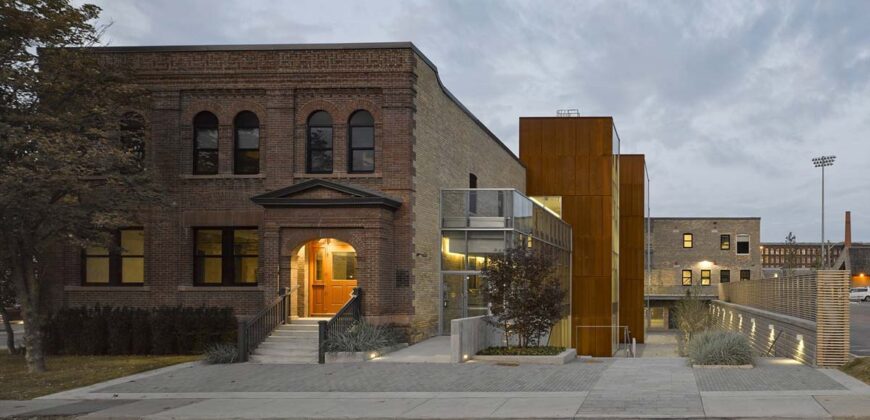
{"x":821,"y":297}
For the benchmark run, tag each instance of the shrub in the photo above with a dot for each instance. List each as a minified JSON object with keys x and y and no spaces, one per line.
{"x":719,"y":348}
{"x":220,"y":353}
{"x":104,"y":330}
{"x":521,"y":351}
{"x":361,"y":336}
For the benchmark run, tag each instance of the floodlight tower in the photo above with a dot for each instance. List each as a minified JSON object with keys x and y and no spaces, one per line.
{"x":821,"y":162}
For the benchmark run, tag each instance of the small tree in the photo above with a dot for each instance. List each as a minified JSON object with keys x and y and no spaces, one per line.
{"x":790,"y":251}
{"x":692,"y":315}
{"x":525,"y":296}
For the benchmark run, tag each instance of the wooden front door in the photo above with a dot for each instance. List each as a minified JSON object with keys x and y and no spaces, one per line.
{"x":332,"y":268}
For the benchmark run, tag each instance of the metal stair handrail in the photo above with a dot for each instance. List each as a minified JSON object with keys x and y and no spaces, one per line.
{"x":254,"y":331}
{"x":349,"y":314}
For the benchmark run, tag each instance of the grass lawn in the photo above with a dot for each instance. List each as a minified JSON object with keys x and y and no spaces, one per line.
{"x":68,"y":372}
{"x":859,"y":368}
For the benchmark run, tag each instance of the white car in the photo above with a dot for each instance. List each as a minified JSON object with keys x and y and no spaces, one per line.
{"x":860,"y":293}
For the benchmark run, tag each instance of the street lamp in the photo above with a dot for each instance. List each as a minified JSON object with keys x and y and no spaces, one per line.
{"x":821,"y":162}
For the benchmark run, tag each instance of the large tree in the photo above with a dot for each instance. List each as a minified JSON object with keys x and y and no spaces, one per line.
{"x":71,"y":157}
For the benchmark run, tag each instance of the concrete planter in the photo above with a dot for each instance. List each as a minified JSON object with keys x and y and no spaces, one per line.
{"x":558,"y":359}
{"x":360,"y":356}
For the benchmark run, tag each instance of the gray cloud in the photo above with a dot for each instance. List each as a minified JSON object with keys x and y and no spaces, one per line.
{"x":728,"y":100}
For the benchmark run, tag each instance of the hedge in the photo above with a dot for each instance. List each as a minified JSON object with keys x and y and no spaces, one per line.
{"x":102,"y":330}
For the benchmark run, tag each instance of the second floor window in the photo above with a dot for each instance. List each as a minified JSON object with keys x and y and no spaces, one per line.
{"x":247,"y":149}
{"x":687,"y":277}
{"x":133,"y":137}
{"x":688,"y":240}
{"x":705,"y":277}
{"x":724,"y":242}
{"x":319,"y":147}
{"x":121,"y":265}
{"x":226,"y":256}
{"x":724,"y":276}
{"x":361,"y":141}
{"x":742,"y":244}
{"x":205,"y":144}
{"x":745,"y":275}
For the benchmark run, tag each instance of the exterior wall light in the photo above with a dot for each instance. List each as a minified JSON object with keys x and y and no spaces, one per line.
{"x":800,"y":338}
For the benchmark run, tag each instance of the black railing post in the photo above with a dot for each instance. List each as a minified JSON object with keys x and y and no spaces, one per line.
{"x":242,"y":342}
{"x":321,"y":337}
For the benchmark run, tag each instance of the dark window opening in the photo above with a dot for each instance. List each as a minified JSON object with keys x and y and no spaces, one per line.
{"x":133,"y":138}
{"x":361,"y":142}
{"x":472,"y":196}
{"x":319,"y":147}
{"x":226,"y":256}
{"x":247,"y":143}
{"x":205,"y":144}
{"x":745,"y":275}
{"x":724,"y":276}
{"x":742,"y":244}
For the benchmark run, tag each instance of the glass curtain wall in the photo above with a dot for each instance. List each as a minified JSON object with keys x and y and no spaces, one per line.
{"x":614,"y":233}
{"x":478,"y":224}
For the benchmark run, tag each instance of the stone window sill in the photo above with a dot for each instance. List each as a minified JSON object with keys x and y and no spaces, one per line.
{"x":220,"y":289}
{"x":338,"y":175}
{"x":106,"y":288}
{"x":223,"y":176}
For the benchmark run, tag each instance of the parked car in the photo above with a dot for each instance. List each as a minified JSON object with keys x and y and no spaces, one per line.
{"x":860,"y":293}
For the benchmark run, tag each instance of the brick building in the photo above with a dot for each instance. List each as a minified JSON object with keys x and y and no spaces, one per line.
{"x":698,"y":252}
{"x":314,"y":168}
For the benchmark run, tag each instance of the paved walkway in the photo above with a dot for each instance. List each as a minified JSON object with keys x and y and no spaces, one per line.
{"x":658,"y":344}
{"x":433,"y":350}
{"x":585,"y":388}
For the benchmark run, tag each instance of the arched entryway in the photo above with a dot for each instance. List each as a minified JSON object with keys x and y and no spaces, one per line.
{"x":325,"y":272}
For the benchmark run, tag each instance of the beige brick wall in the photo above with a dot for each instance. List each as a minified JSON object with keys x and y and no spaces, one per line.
{"x":448,"y":145}
{"x":669,"y":257}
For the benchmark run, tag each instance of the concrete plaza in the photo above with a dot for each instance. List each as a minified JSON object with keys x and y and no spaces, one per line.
{"x":665,"y":387}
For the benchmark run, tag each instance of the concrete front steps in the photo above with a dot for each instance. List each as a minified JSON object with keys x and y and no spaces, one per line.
{"x":295,"y":342}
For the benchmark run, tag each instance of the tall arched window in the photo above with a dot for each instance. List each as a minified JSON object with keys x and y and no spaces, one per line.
{"x":361,"y":142}
{"x":319,"y":148}
{"x":133,"y":137}
{"x":247,"y":149}
{"x":205,"y":143}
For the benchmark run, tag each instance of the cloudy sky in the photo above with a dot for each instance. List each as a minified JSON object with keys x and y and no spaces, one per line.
{"x":728,"y":100}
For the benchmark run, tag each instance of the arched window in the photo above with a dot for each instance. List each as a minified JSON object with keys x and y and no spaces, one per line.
{"x":205,"y":143}
{"x":133,"y":137}
{"x":247,"y":149}
{"x":361,"y":142}
{"x":319,"y":148}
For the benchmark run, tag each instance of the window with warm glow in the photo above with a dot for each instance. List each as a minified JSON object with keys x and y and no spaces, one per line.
{"x":688,"y":240}
{"x":123,"y":264}
{"x":724,"y":242}
{"x":687,"y":277}
{"x":226,"y":256}
{"x":705,"y":277}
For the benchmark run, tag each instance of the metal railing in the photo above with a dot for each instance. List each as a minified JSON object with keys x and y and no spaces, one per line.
{"x":252,"y":332}
{"x":349,"y":314}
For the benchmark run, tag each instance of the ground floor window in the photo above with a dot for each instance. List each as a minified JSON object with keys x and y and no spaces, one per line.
{"x":226,"y":256}
{"x":745,"y":275}
{"x":705,"y":277}
{"x":724,"y":276}
{"x":121,"y":263}
{"x":687,"y":277}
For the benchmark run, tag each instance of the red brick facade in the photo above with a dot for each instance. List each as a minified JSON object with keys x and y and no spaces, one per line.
{"x":283,"y":86}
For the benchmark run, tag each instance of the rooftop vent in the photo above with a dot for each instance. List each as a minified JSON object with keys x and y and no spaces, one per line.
{"x":572,"y":112}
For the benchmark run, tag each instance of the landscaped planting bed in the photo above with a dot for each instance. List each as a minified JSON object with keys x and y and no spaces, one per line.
{"x":521,"y":351}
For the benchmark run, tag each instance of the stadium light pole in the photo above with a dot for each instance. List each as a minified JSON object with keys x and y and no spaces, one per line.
{"x":821,"y":162}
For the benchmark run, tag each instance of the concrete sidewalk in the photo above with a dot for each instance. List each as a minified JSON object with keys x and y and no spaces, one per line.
{"x":599,"y":388}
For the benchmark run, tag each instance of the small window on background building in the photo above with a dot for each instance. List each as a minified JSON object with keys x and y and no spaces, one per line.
{"x":687,"y":277}
{"x":742,"y":244}
{"x":472,"y":196}
{"x":226,"y":256}
{"x":724,"y":276}
{"x":724,"y":242}
{"x":126,"y":266}
{"x":688,"y":240}
{"x":705,"y":277}
{"x":745,"y":275}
